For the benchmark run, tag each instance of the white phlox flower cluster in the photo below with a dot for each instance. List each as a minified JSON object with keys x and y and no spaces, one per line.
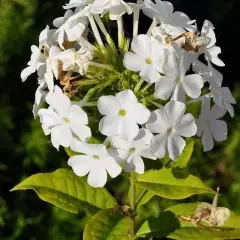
{"x":118,"y":105}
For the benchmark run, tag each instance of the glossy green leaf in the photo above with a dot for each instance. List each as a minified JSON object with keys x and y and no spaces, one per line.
{"x":109,"y":224}
{"x":170,"y":184}
{"x":230,"y":230}
{"x":159,"y":227}
{"x":185,"y":157}
{"x":65,"y":190}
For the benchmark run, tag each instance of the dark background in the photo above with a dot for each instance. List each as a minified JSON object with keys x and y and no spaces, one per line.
{"x":24,"y":150}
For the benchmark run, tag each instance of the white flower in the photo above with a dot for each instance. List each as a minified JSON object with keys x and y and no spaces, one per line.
{"x":38,"y":60}
{"x":146,"y":59}
{"x":75,"y":61}
{"x":211,"y":50}
{"x":171,"y":125}
{"x":116,"y":8}
{"x":175,"y":81}
{"x":209,"y":127}
{"x":133,"y":151}
{"x":123,"y":114}
{"x":63,"y":120}
{"x":209,"y":74}
{"x":224,"y":99}
{"x":70,"y":27}
{"x":76,"y":4}
{"x":163,"y":11}
{"x":95,"y":162}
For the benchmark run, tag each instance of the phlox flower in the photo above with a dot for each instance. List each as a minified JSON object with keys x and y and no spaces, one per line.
{"x":76,"y":4}
{"x":170,"y":124}
{"x":146,"y":58}
{"x":132,"y":152}
{"x":63,"y":120}
{"x":94,"y":161}
{"x":122,"y":113}
{"x":209,"y":125}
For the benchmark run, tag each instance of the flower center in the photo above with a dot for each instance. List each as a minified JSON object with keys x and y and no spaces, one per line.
{"x":66,"y":120}
{"x":167,"y":40}
{"x":170,"y":131}
{"x":122,"y":113}
{"x":149,"y":61}
{"x":75,"y":56}
{"x":132,"y":150}
{"x":96,"y":157}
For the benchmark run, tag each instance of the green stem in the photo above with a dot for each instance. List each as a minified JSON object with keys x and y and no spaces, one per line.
{"x":146,"y":88}
{"x":154,"y":103}
{"x":133,"y":190}
{"x":138,"y":86}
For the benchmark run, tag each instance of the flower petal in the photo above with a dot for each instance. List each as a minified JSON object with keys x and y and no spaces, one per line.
{"x":112,"y":167}
{"x":49,"y":118}
{"x":143,"y":138}
{"x":81,"y":165}
{"x":175,"y":146}
{"x":61,"y":135}
{"x":142,"y":45}
{"x":138,"y":113}
{"x":164,"y":87}
{"x":217,"y":112}
{"x":108,"y":105}
{"x":174,"y":111}
{"x":192,"y":85}
{"x":219,"y":130}
{"x":126,"y":98}
{"x":127,"y":129}
{"x":149,"y":73}
{"x":97,"y":176}
{"x":207,"y":139}
{"x":158,"y":145}
{"x":109,"y":125}
{"x":187,"y":127}
{"x":158,"y":122}
{"x":133,"y":62}
{"x":120,"y":143}
{"x":137,"y":164}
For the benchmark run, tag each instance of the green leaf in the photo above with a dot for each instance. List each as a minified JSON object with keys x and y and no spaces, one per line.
{"x":185,"y":157}
{"x":65,"y":190}
{"x":109,"y":224}
{"x":159,"y":227}
{"x":230,"y":230}
{"x":170,"y":184}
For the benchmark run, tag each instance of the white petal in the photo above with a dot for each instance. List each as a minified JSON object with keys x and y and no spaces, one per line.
{"x":126,"y":98}
{"x":146,"y":153}
{"x":207,"y":139}
{"x":158,"y":145}
{"x":112,"y":167}
{"x":61,"y":135}
{"x":142,"y":45}
{"x":108,"y":105}
{"x":205,"y":108}
{"x":192,"y":85}
{"x":49,"y":118}
{"x":81,"y":165}
{"x":164,"y":87}
{"x":127,"y":129}
{"x":174,"y":111}
{"x":82,"y":131}
{"x":143,"y":138}
{"x":187,"y":127}
{"x":179,"y":94}
{"x":158,"y":122}
{"x":149,"y":73}
{"x":212,"y":55}
{"x":219,"y":130}
{"x":175,"y":146}
{"x":120,"y":143}
{"x":77,"y":115}
{"x":138,"y":164}
{"x":109,"y":125}
{"x":97,"y":176}
{"x":138,"y":113}
{"x":27,"y":72}
{"x":217,"y":112}
{"x":81,"y":147}
{"x":133,"y":62}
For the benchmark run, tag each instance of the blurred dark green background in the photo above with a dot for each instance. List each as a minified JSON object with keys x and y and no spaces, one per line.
{"x":26,"y":151}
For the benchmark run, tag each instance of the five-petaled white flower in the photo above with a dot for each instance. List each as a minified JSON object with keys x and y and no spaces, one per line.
{"x":38,"y":61}
{"x":171,"y":125}
{"x":123,"y":114}
{"x":146,"y":59}
{"x":176,"y":81}
{"x":75,"y":61}
{"x":211,"y":50}
{"x":95,"y":162}
{"x":76,"y":4}
{"x":63,"y":120}
{"x":163,"y":11}
{"x":116,"y":8}
{"x":209,"y":127}
{"x":133,"y":151}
